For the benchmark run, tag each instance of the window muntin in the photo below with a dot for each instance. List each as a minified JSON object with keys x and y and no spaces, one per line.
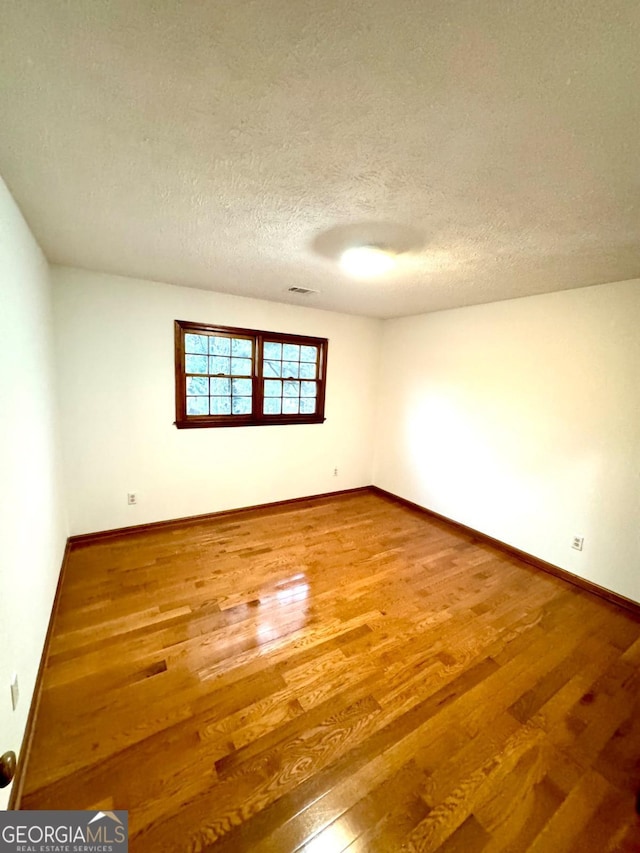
{"x":244,"y":377}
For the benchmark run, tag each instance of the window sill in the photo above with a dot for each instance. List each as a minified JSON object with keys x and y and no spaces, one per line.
{"x":226,"y":423}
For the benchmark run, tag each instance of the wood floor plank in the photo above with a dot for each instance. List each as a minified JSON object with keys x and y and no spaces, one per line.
{"x":338,"y":674}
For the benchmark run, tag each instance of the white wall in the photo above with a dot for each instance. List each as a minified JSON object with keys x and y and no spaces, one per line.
{"x":32,"y":522}
{"x":521,"y":419}
{"x":115,"y":363}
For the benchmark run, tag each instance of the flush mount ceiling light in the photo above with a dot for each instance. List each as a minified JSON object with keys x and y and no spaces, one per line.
{"x":367,"y":261}
{"x":370,"y":249}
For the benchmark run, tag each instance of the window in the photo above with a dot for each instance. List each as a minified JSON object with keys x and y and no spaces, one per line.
{"x":243,"y":377}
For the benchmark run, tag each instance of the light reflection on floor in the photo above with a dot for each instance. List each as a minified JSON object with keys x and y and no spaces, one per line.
{"x":277,"y":616}
{"x":334,"y":839}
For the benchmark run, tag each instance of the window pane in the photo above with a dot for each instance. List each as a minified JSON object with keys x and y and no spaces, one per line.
{"x":241,"y":405}
{"x":272,"y":350}
{"x":291,"y":351}
{"x":221,"y":387}
{"x":307,"y":370}
{"x":219,"y":364}
{"x":241,"y":387}
{"x":196,"y":343}
{"x":272,"y":368}
{"x":219,"y":346}
{"x":241,"y":366}
{"x":197,"y":405}
{"x":291,"y":389}
{"x":272,"y":405}
{"x":307,"y":406}
{"x":241,"y":347}
{"x":309,"y":354}
{"x":290,"y":406}
{"x":272,"y":388}
{"x":195,"y":364}
{"x":307,"y":389}
{"x":220,"y":405}
{"x":197,"y":385}
{"x":290,"y":369}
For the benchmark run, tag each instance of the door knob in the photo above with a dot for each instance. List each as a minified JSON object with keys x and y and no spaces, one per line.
{"x":7,"y":768}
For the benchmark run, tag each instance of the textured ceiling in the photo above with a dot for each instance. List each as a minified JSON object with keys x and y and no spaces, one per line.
{"x":209,"y":144}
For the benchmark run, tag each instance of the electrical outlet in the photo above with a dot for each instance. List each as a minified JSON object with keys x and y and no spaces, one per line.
{"x":335,"y":472}
{"x":577,"y":543}
{"x":132,"y":498}
{"x":15,"y":691}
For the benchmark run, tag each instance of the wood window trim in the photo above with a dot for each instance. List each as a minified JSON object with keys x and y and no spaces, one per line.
{"x":257,"y":416}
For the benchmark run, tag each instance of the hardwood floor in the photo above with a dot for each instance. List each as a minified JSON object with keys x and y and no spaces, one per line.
{"x":339,"y":674}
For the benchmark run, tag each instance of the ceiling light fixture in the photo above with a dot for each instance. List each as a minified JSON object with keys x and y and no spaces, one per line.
{"x":367,"y":261}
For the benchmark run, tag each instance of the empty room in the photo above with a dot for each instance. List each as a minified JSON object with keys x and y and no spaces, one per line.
{"x":320,"y":426}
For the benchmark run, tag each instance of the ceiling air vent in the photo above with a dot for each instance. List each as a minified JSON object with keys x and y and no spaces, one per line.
{"x":303,"y":290}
